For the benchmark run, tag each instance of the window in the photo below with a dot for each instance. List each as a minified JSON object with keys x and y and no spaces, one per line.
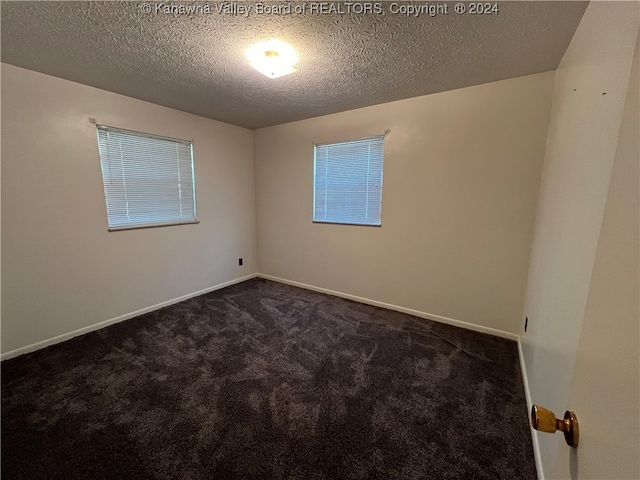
{"x":348,"y":182}
{"x":148,"y":180}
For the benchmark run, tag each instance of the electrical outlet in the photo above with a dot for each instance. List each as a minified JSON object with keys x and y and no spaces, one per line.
{"x":240,"y":261}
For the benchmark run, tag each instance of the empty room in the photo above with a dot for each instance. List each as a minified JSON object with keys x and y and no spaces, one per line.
{"x":320,"y":240}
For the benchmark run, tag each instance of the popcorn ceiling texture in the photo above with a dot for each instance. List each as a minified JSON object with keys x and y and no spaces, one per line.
{"x":195,"y":63}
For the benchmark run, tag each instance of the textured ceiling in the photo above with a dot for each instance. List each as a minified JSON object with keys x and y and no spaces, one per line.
{"x":194,"y":62}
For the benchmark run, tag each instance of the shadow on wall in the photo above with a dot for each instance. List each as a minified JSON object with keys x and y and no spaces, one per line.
{"x":573,"y":463}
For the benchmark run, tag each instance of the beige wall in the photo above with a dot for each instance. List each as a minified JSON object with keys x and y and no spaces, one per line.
{"x":61,"y":269}
{"x":461,"y":179}
{"x":605,"y":387}
{"x":0,"y":216}
{"x":589,"y":96}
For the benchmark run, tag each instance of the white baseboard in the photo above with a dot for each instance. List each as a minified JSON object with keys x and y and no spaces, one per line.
{"x":91,"y":328}
{"x":449,"y":321}
{"x":388,"y":306}
{"x":527,"y":395}
{"x":437,"y":318}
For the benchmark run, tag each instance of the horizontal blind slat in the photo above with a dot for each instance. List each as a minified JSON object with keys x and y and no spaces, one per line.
{"x":147,"y":180}
{"x":348,"y":182}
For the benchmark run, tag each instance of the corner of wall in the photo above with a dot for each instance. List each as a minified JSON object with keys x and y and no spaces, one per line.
{"x":580,"y":149}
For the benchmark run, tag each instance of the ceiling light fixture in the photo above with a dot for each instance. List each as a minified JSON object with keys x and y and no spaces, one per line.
{"x":272,"y":58}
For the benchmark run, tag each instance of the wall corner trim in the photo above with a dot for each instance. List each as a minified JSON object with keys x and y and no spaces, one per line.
{"x":388,"y":306}
{"x":437,"y":318}
{"x":441,"y":319}
{"x":91,"y":328}
{"x":527,"y":394}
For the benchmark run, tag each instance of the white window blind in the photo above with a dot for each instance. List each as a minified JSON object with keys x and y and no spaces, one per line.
{"x":348,"y":182}
{"x":148,"y":180}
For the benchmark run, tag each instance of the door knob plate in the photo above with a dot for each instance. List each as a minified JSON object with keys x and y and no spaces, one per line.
{"x":572,"y":431}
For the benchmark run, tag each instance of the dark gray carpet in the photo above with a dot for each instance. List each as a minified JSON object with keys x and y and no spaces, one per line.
{"x":262,"y":380}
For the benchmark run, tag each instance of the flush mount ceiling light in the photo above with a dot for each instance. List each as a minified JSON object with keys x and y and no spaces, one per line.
{"x":272,"y":58}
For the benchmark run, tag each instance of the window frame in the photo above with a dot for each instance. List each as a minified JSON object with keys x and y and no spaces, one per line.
{"x":315,"y":152}
{"x":158,"y":224}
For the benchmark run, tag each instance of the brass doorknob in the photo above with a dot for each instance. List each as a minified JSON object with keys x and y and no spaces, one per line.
{"x":544,"y":420}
